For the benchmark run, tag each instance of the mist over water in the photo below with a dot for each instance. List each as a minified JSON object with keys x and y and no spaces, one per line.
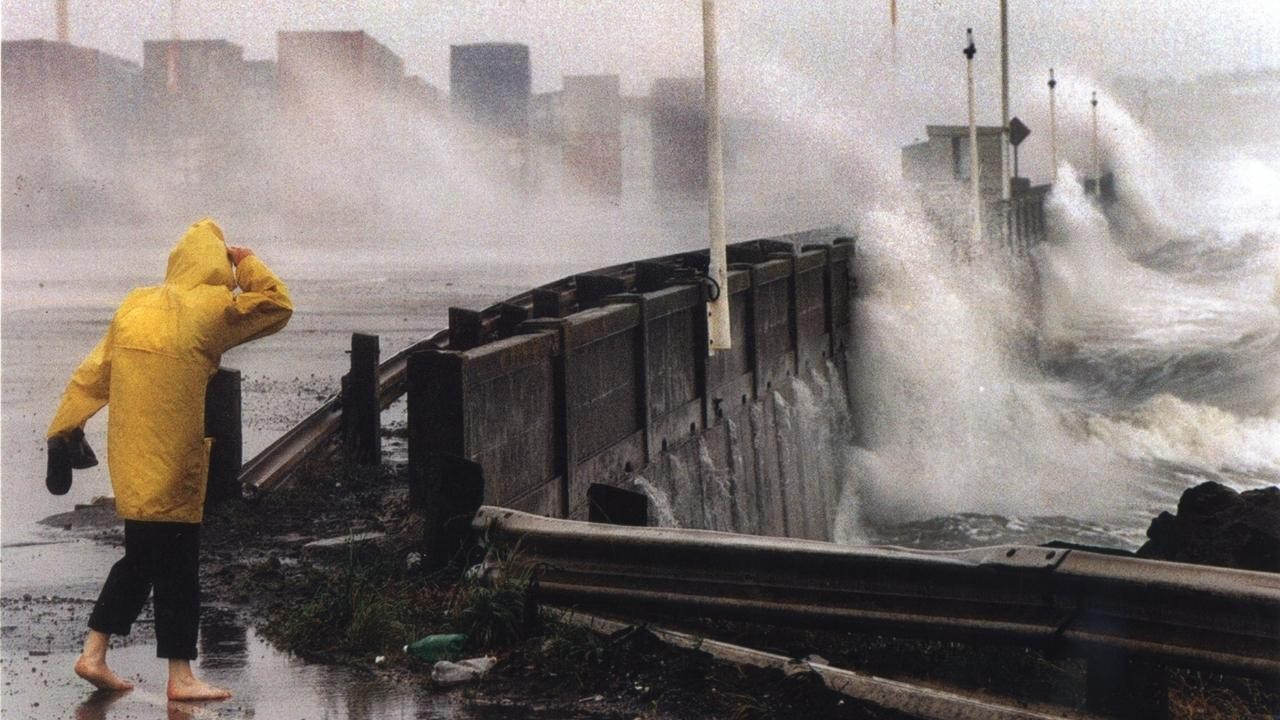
{"x":1157,"y":360}
{"x":1148,"y":358}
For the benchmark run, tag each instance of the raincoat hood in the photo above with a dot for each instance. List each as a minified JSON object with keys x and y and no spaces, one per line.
{"x":200,"y":258}
{"x":153,"y":367}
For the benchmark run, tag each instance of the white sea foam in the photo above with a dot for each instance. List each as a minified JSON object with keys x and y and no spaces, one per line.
{"x":1202,"y":436}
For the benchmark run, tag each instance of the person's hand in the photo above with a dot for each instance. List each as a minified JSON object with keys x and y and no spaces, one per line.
{"x":237,"y":253}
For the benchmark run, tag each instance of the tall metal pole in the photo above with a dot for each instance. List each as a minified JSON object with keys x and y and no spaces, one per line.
{"x":1097,"y":165}
{"x":1005,"y":189}
{"x":718,"y":307}
{"x":62,"y":17}
{"x":974,"y":168}
{"x":171,"y":56}
{"x":1053,"y":126}
{"x":893,"y":29}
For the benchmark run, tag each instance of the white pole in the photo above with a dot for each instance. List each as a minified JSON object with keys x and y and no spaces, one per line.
{"x":974,"y":168}
{"x":1006,"y":191}
{"x":171,"y":56}
{"x":1053,"y":126}
{"x":717,"y":308}
{"x":1097,"y":166}
{"x":893,"y":29}
{"x":63,"y":19}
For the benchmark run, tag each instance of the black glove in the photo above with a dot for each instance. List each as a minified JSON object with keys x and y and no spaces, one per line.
{"x":82,"y":456}
{"x":65,"y":453}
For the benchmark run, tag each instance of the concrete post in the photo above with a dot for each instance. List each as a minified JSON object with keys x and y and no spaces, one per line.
{"x":361,"y":408}
{"x":453,"y":492}
{"x":509,"y":318}
{"x":592,"y":289}
{"x":466,"y":329}
{"x":549,"y":303}
{"x":222,"y":420}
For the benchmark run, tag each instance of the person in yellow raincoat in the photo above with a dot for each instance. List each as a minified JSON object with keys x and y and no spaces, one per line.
{"x":152,"y":367}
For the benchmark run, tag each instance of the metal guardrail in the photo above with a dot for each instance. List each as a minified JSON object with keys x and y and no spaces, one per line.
{"x":272,"y":466}
{"x":916,"y":701}
{"x":1071,"y":600}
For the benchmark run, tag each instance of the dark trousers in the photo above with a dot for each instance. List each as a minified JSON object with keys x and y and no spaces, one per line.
{"x":164,"y":556}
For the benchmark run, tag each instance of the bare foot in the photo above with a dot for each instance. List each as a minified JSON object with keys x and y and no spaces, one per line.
{"x":99,"y":675}
{"x":193,"y":689}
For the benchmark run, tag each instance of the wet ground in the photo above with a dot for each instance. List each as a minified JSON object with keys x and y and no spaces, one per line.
{"x":49,"y":588}
{"x":49,"y":576}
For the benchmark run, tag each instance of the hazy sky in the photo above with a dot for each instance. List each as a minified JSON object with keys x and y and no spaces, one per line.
{"x":824,"y":67}
{"x":661,"y":37}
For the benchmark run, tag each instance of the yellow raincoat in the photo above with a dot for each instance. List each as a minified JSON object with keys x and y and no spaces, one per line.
{"x":163,"y":345}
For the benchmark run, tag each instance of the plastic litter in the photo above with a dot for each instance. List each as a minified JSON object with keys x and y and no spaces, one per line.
{"x":456,"y":673}
{"x":433,"y":648}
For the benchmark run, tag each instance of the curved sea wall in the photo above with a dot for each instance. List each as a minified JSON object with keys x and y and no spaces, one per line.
{"x":604,"y":380}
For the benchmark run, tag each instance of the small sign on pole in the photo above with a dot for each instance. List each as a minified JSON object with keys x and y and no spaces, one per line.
{"x":1018,"y":132}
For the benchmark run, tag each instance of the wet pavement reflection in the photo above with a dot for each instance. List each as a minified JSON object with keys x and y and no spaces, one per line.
{"x":43,"y":624}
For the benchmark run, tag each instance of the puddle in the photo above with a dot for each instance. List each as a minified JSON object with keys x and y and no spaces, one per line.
{"x":48,"y":593}
{"x":267,"y":684}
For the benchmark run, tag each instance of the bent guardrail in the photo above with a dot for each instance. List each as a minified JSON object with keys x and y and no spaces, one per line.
{"x":1070,"y":600}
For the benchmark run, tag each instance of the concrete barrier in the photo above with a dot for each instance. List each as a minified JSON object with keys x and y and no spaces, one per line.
{"x":613,"y":387}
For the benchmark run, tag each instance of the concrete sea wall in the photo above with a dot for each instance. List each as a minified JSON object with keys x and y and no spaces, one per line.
{"x":607,"y":382}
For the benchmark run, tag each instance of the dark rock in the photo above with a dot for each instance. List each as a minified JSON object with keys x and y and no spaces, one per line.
{"x":1216,"y":525}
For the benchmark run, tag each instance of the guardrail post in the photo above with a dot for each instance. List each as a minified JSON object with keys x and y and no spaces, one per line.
{"x":616,"y":506}
{"x":548,"y":303}
{"x":509,"y":318}
{"x":361,"y":409}
{"x":222,"y":423}
{"x":592,"y":289}
{"x":454,"y":491}
{"x":466,"y":329}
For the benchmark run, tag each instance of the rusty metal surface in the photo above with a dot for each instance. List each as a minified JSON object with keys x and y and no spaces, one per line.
{"x":1069,"y":600}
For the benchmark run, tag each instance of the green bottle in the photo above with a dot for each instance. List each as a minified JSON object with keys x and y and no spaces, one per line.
{"x":434,"y":648}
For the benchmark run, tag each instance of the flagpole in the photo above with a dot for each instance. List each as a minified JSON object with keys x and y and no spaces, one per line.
{"x":1006,"y":191}
{"x":718,"y":306}
{"x":974,"y":168}
{"x":893,"y":27}
{"x":1097,"y":165}
{"x":1053,"y":126}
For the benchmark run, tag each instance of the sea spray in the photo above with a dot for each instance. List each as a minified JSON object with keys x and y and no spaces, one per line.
{"x":661,"y":513}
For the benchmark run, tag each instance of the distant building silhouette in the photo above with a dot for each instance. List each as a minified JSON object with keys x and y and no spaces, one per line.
{"x":69,"y":118}
{"x":592,"y":112}
{"x":489,"y":85}
{"x":678,"y":121}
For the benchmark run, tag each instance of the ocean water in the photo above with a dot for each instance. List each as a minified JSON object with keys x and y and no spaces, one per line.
{"x":1145,"y":360}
